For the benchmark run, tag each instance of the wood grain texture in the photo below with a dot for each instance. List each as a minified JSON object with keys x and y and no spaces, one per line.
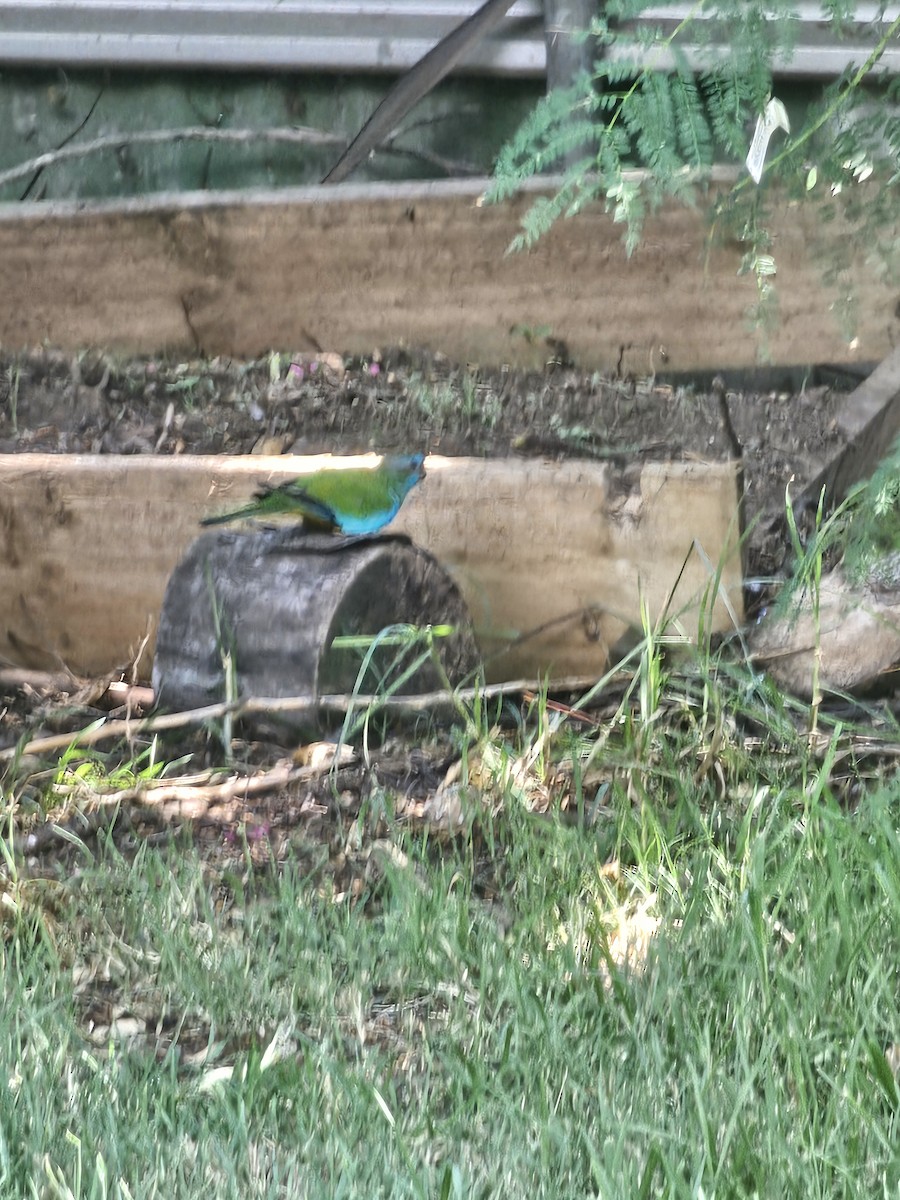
{"x":353,"y":267}
{"x":569,"y":549}
{"x":281,"y":599}
{"x":869,"y":421}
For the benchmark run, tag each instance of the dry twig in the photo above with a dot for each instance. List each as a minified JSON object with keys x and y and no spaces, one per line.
{"x":306,"y":706}
{"x":301,"y":136}
{"x":156,"y":137}
{"x":168,"y":800}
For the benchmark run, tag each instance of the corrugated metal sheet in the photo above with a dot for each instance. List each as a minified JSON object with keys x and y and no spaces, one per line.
{"x":339,"y":35}
{"x":819,"y":51}
{"x":315,"y":35}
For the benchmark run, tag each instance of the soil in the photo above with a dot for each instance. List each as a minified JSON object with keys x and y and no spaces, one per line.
{"x":97,"y":403}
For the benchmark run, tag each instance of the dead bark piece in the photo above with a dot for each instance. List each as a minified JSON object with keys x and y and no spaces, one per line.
{"x":856,"y":638}
{"x":417,"y":83}
{"x":267,"y":606}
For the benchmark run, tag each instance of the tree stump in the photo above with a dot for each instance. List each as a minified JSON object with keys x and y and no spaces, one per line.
{"x":271,"y":604}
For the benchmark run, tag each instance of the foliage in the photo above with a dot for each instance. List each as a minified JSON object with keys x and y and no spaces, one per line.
{"x":647,"y":106}
{"x":867,"y":527}
{"x":876,"y":531}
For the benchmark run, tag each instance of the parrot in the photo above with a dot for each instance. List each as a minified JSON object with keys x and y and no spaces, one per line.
{"x":360,"y":500}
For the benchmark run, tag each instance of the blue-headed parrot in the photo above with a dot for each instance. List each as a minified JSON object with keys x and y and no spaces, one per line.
{"x":359,"y":500}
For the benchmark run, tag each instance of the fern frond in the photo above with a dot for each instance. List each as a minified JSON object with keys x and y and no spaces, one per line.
{"x":728,"y":101}
{"x":695,"y":135}
{"x":645,"y":107}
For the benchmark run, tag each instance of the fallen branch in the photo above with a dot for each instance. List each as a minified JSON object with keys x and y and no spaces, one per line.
{"x":161,"y":792}
{"x":430,"y":702}
{"x":57,"y":681}
{"x":72,"y":685}
{"x":302,"y":136}
{"x":417,"y":83}
{"x":167,"y":800}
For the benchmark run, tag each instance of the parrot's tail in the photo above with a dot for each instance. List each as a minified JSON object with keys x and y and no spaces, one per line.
{"x":223,"y":518}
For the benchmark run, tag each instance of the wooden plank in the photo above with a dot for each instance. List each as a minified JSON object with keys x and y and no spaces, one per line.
{"x":358,"y":266}
{"x":89,"y":542}
{"x":869,"y":420}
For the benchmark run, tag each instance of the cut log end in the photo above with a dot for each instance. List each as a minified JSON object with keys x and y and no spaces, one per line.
{"x":285,"y":613}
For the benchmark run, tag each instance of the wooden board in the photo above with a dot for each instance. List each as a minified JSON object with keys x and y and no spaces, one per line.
{"x":355,"y":267}
{"x":869,"y":421}
{"x":88,"y":544}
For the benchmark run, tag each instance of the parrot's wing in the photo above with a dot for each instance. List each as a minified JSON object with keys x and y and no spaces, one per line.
{"x":297,"y":499}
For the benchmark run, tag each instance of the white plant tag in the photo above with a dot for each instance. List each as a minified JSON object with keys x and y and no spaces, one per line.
{"x":775,"y":117}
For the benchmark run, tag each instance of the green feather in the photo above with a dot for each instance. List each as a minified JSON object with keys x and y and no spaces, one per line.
{"x":360,"y":500}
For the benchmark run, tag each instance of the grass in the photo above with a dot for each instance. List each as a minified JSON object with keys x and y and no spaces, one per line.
{"x":461,"y":401}
{"x":678,"y":981}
